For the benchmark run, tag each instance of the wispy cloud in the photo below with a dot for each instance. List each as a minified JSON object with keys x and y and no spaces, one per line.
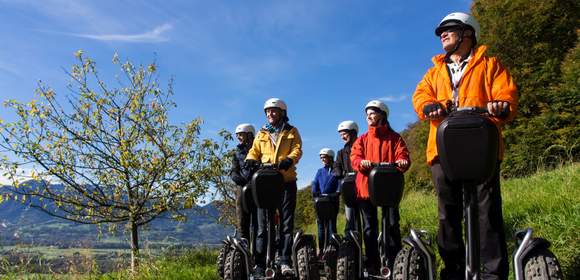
{"x":391,"y":98}
{"x":9,"y":69}
{"x":153,"y":36}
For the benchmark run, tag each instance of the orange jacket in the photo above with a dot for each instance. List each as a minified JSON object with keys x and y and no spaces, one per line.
{"x":379,"y":144}
{"x":483,"y":80}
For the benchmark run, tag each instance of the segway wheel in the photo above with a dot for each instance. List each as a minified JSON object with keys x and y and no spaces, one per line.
{"x":542,"y":265}
{"x":346,"y":268}
{"x":235,"y":266}
{"x":307,"y":266}
{"x":410,"y":265}
{"x":221,"y":260}
{"x":330,"y":261}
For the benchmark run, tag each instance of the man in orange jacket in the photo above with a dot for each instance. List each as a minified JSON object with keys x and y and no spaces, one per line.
{"x":466,"y":77}
{"x":379,"y":144}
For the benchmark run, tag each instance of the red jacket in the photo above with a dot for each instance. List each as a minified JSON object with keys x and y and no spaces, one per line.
{"x":379,"y":144}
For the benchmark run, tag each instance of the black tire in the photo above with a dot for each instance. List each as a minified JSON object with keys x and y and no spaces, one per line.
{"x":221,"y":260}
{"x":235,"y":266}
{"x":330,"y":261}
{"x":306,"y":262}
{"x":346,"y":265}
{"x":542,"y":265}
{"x":410,"y":265}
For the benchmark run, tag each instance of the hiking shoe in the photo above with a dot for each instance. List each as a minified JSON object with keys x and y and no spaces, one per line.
{"x":286,"y":270}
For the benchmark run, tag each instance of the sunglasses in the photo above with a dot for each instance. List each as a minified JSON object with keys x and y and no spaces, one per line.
{"x":450,"y":30}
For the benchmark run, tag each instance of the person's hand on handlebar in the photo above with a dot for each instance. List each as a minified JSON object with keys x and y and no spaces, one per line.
{"x":365,"y":163}
{"x":251,"y":164}
{"x":434,"y":111}
{"x":498,"y":108}
{"x":403,"y":163}
{"x":285,"y":164}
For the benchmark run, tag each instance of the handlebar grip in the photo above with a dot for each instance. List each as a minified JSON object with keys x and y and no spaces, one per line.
{"x":377,"y":164}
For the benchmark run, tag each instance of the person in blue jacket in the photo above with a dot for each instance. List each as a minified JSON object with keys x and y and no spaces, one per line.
{"x":324,"y":184}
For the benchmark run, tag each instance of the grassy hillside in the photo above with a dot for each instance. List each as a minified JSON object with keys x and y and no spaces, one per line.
{"x":549,"y":202}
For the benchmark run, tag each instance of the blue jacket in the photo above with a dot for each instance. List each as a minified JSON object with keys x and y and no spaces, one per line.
{"x":324,"y":182}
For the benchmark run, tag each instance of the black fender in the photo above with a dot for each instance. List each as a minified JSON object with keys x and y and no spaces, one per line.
{"x":244,"y":249}
{"x":526,"y":244}
{"x":423,"y":247}
{"x":537,"y":243}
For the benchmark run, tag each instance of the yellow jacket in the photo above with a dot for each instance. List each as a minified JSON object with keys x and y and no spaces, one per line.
{"x":288,"y":145}
{"x":484,"y":80}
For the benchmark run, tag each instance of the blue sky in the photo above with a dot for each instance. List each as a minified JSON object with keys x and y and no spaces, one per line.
{"x":326,"y":59}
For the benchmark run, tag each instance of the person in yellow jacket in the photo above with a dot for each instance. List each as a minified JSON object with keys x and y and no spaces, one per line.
{"x":466,"y":77}
{"x":279,"y":143}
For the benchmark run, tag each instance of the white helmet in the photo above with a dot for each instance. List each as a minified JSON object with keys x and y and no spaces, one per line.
{"x":275,"y":103}
{"x":347,"y":125}
{"x":457,"y":19}
{"x":327,"y":152}
{"x":245,"y":127}
{"x":379,"y":105}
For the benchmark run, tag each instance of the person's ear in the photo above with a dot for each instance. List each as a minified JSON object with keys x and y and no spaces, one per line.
{"x":468,"y":33}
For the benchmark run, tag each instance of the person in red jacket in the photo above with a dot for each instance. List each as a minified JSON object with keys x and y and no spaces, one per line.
{"x":379,"y":144}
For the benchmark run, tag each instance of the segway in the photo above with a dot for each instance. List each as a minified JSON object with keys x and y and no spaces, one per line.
{"x":468,"y":149}
{"x":326,"y":206}
{"x":385,"y":190}
{"x":238,"y":262}
{"x":349,"y":263}
{"x":266,"y":192}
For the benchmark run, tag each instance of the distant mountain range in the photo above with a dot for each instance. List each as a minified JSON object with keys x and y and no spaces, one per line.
{"x":21,"y":224}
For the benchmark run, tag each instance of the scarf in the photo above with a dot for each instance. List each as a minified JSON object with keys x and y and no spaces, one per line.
{"x":274,"y":131}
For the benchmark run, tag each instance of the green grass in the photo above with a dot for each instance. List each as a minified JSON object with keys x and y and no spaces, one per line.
{"x":191,"y":264}
{"x":548,"y":202}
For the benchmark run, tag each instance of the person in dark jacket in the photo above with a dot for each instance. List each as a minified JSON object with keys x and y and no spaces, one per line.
{"x":348,"y":131}
{"x":325,"y":184}
{"x":241,"y":176}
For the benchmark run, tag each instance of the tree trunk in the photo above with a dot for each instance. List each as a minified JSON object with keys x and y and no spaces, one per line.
{"x":134,"y":247}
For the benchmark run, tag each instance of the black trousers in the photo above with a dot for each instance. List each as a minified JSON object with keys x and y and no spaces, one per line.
{"x":370,"y":233}
{"x":326,"y":227}
{"x":245,"y":218}
{"x":493,"y":248}
{"x":393,"y":234}
{"x":352,"y":215}
{"x":286,"y":228}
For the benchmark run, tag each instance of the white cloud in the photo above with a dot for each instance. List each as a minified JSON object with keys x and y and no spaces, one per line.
{"x":153,"y":36}
{"x":391,"y":98}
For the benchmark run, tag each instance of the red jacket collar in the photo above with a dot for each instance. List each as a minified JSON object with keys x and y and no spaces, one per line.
{"x":378,"y":131}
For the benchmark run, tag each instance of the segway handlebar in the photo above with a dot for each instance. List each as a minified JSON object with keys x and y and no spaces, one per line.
{"x":387,"y":164}
{"x":483,"y":111}
{"x":268,"y":166}
{"x":324,"y":197}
